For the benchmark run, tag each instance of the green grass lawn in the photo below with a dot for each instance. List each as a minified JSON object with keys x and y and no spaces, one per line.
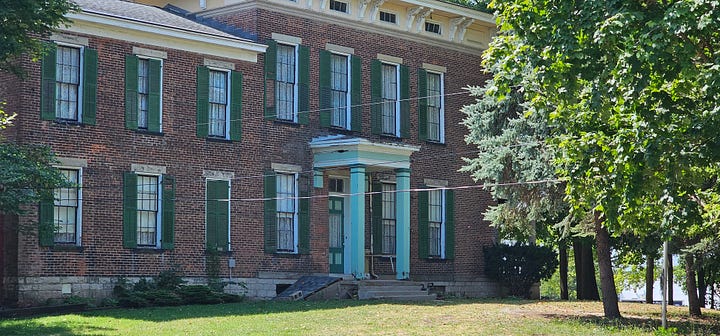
{"x":450,"y":317}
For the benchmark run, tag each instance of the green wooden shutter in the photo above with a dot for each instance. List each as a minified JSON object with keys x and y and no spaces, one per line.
{"x":168,"y":212}
{"x":270,"y":76}
{"x":154,"y":95}
{"x":203,"y":101}
{"x":303,"y":85}
{"x":211,"y":215}
{"x":47,"y":87}
{"x":356,"y":93}
{"x":131,"y":92}
{"x":236,"y":106}
{"x":376,"y":95}
{"x":217,"y":214}
{"x":223,"y":225}
{"x":449,"y":224}
{"x":404,"y":102}
{"x":270,"y":211}
{"x":46,"y":228}
{"x":422,"y":104}
{"x":376,"y":200}
{"x":304,"y":216}
{"x":129,"y":210}
{"x":325,"y":89}
{"x":423,"y":224}
{"x":89,"y":90}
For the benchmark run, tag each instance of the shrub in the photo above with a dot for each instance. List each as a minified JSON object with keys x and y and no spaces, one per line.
{"x":519,"y":266}
{"x":198,"y":294}
{"x":133,"y":300}
{"x":169,"y":280}
{"x":162,"y":297}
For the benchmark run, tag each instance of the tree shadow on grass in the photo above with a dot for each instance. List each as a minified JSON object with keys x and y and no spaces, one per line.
{"x":684,"y":326}
{"x":23,"y":327}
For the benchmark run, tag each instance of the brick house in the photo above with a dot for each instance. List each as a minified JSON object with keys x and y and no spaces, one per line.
{"x":291,"y":137}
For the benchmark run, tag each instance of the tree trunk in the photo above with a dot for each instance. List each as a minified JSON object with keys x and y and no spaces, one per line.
{"x":586,"y":273}
{"x":649,"y":278}
{"x":701,"y":286}
{"x":563,"y":272}
{"x":670,"y":280}
{"x":607,"y":280}
{"x":693,"y":302}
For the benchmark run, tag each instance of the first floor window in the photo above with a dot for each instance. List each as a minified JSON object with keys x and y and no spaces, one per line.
{"x":435,"y":223}
{"x":147,"y":210}
{"x":66,"y":209}
{"x":388,"y":218}
{"x":218,"y":103}
{"x":286,"y":212}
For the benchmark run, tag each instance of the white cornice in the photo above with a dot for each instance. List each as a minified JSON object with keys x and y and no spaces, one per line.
{"x":292,"y":8}
{"x":163,"y":36}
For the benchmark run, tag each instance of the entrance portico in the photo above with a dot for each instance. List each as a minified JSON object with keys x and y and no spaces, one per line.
{"x":362,"y":157}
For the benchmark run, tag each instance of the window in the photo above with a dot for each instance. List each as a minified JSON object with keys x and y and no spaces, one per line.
{"x":388,"y":17}
{"x":436,"y":228}
{"x":219,"y":104}
{"x":286,"y":212}
{"x":390,"y":94}
{"x":339,"y":90}
{"x":69,"y":79}
{"x":336,"y":185}
{"x":285,"y":88}
{"x":66,"y":210}
{"x":148,"y":210}
{"x":338,"y":6}
{"x":217,"y":215}
{"x":143,"y":93}
{"x":432,"y":27}
{"x":388,"y":218}
{"x":435,"y":107}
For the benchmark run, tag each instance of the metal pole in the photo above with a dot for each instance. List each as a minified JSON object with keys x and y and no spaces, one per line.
{"x":664,"y":279}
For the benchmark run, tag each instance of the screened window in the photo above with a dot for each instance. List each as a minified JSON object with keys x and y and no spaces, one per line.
{"x":389,"y":95}
{"x":388,"y":218}
{"x":435,"y":229}
{"x":285,"y":83}
{"x":143,"y":92}
{"x":388,"y":17}
{"x":432,"y":27}
{"x":67,"y":83}
{"x":67,"y":204}
{"x":286,"y":212}
{"x":339,"y":6}
{"x":147,"y":210}
{"x":435,"y":106}
{"x":339,"y":83}
{"x":218,"y":92}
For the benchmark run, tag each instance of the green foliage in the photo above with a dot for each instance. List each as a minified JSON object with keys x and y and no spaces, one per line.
{"x":662,"y":331}
{"x":519,"y":266}
{"x":198,"y":294}
{"x":27,"y":176}
{"x":212,"y":269}
{"x":169,"y":280}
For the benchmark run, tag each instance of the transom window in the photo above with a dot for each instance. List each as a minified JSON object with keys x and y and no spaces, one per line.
{"x":67,"y":204}
{"x":339,"y":97}
{"x":285,"y":82}
{"x":218,"y":117}
{"x":435,"y":229}
{"x":336,"y":185}
{"x":67,"y":82}
{"x":339,"y":6}
{"x":389,"y":95}
{"x":435,"y":106}
{"x":286,"y":212}
{"x":388,"y":17}
{"x":432,"y":27}
{"x":143,"y":92}
{"x":388,"y":218}
{"x":147,"y":210}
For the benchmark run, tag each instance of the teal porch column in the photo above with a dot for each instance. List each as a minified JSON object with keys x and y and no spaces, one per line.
{"x":402,"y":225}
{"x":357,"y":221}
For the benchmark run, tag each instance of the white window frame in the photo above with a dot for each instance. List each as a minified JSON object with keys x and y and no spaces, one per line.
{"x":229,"y":205}
{"x":162,"y":68}
{"x":228,"y":95}
{"x":81,"y":81}
{"x":397,"y":97}
{"x":440,"y":28}
{"x":296,"y":205}
{"x":382,"y":215}
{"x":348,"y":94}
{"x":441,"y":131}
{"x":78,"y":215}
{"x":296,"y":87}
{"x":389,"y":12}
{"x":347,"y":7}
{"x":443,"y":208}
{"x":158,"y":216}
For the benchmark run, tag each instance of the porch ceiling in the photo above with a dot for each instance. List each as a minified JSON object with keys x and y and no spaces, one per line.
{"x":340,"y":150}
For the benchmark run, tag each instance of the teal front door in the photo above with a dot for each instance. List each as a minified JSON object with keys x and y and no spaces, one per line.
{"x":336,"y":234}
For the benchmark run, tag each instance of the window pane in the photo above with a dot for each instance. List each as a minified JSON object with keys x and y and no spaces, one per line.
{"x":285,"y":82}
{"x":286,"y":211}
{"x":388,"y":218}
{"x":66,"y":209}
{"x":67,"y":79}
{"x":143,"y":85}
{"x":147,"y":210}
{"x":217,"y":117}
{"x":389,"y":92}
{"x":434,"y":101}
{"x":339,"y":89}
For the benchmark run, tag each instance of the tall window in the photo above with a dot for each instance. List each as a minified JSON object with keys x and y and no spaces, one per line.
{"x":218,"y":92}
{"x":388,"y":218}
{"x":67,"y":204}
{"x":389,"y":95}
{"x":147,"y":210}
{"x":67,"y":82}
{"x":285,"y":82}
{"x":339,"y":83}
{"x":435,"y":229}
{"x":143,"y":92}
{"x":434,"y":106}
{"x":286,"y":212}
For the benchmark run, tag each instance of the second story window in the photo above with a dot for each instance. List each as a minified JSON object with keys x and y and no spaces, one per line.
{"x":389,"y":96}
{"x":219,"y":103}
{"x":143,"y":93}
{"x":287,"y":75}
{"x":390,"y":99}
{"x":339,"y":90}
{"x":69,"y":81}
{"x":218,"y":118}
{"x":285,"y":83}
